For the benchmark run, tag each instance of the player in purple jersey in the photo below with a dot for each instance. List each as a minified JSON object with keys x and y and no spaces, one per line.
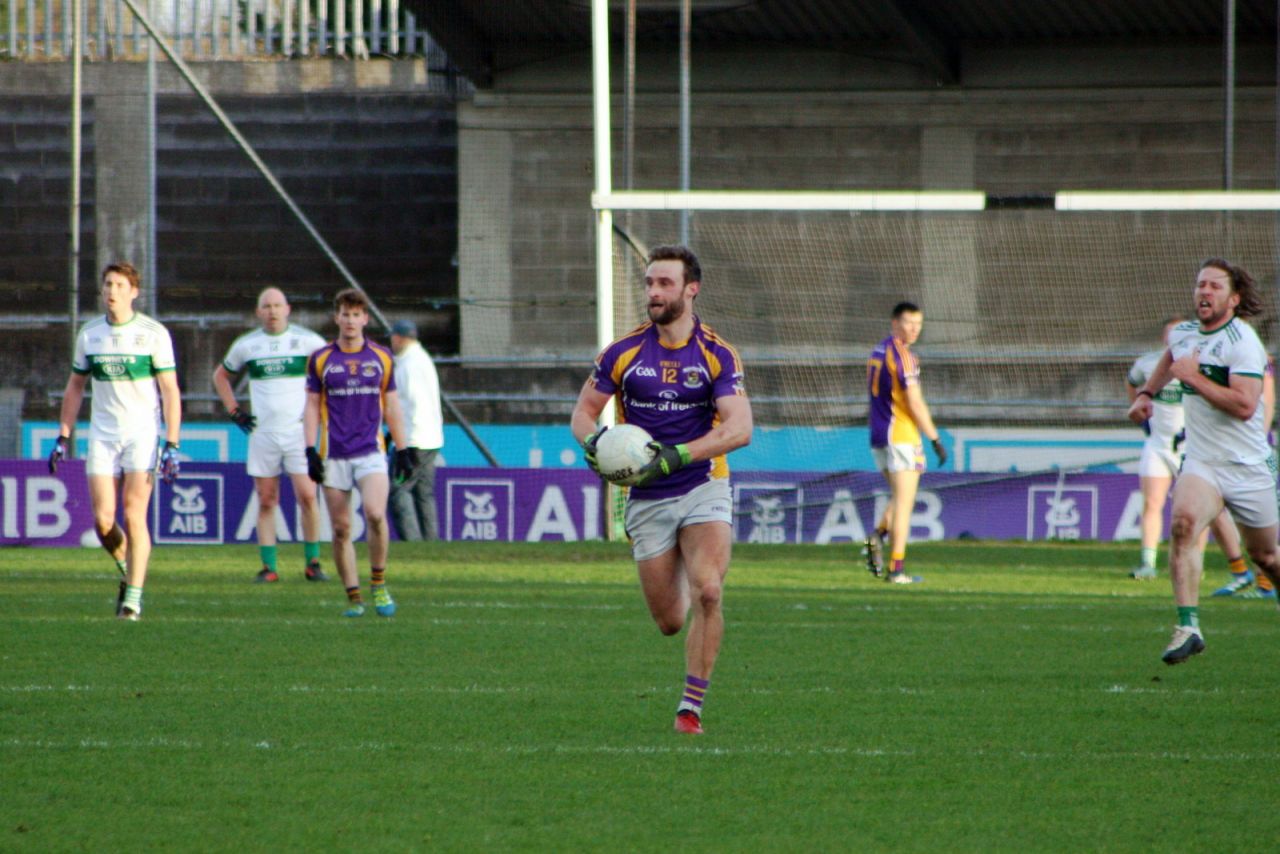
{"x":683,"y":383}
{"x":897,"y":416}
{"x":351,"y":390}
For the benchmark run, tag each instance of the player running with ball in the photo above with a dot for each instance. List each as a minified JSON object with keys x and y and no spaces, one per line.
{"x":683,"y":383}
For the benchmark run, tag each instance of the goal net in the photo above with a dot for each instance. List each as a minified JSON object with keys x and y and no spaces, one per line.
{"x":1033,"y":317}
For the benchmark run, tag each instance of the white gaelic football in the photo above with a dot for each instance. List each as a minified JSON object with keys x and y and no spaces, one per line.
{"x":621,"y":452}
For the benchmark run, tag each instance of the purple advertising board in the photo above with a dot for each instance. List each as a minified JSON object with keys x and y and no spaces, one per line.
{"x":215,"y":503}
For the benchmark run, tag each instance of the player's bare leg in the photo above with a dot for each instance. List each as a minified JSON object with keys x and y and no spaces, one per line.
{"x":666,"y":590}
{"x":374,"y":489}
{"x":304,"y":489}
{"x":137,"y":488}
{"x":344,"y":548}
{"x":137,"y":496}
{"x":1195,"y":504}
{"x":102,"y":496}
{"x":268,"y":489}
{"x":1261,"y":544}
{"x":902,"y":503}
{"x":706,"y":548}
{"x":1155,"y":492}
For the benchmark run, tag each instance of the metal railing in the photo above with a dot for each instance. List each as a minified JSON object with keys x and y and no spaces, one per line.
{"x":217,"y":29}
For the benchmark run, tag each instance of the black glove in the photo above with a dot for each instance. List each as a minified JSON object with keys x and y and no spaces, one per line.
{"x":58,"y":454}
{"x":315,"y":465}
{"x":589,"y":449}
{"x":169,"y":463}
{"x":403,"y":464}
{"x":939,"y":451}
{"x":243,"y":420}
{"x":667,"y":460}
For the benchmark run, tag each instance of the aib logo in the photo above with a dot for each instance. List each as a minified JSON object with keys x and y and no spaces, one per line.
{"x":479,"y":513}
{"x":480,"y":509}
{"x":1062,"y":513}
{"x":189,"y":510}
{"x":771,"y":513}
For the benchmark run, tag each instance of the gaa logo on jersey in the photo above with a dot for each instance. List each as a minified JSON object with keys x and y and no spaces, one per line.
{"x":189,"y":510}
{"x":480,"y":509}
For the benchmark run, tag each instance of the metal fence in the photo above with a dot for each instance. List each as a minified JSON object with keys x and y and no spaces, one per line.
{"x":217,"y":29}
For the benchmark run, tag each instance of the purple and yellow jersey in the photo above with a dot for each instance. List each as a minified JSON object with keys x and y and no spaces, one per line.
{"x":890,"y":370}
{"x":672,"y":393}
{"x":352,"y":388}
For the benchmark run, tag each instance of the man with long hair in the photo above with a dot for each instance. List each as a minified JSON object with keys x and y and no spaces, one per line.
{"x":1220,"y":362}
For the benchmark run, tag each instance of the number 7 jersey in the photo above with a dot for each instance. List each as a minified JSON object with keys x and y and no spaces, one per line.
{"x":890,"y":370}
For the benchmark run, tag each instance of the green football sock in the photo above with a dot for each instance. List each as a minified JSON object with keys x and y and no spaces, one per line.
{"x":311,"y":551}
{"x":1189,"y":616}
{"x":268,"y":557}
{"x":1149,"y":557}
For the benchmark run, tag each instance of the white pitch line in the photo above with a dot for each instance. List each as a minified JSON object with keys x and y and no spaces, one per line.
{"x":702,"y":749}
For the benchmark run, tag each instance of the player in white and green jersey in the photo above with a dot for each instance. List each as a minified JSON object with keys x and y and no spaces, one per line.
{"x":274,"y":356}
{"x":128,"y":357}
{"x":1160,"y":462}
{"x":1220,"y":362}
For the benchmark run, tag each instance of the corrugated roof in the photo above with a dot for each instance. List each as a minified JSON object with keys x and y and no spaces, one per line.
{"x":475,"y":31}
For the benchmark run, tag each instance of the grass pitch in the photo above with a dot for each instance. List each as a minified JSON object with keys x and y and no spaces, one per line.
{"x":521,"y":699}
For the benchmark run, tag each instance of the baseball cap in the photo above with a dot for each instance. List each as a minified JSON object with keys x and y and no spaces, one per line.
{"x":405,"y":328}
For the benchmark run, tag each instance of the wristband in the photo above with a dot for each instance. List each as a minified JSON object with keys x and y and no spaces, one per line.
{"x":1143,"y":391}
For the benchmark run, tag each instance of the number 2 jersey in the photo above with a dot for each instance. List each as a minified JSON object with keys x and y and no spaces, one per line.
{"x":671,"y":392}
{"x":1213,"y":436}
{"x":122,"y":361}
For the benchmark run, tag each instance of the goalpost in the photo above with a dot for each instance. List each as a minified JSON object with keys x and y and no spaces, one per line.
{"x":1035,"y":309}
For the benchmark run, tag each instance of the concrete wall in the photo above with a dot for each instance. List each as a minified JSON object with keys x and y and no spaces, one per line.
{"x":366,"y":149}
{"x":534,"y":147}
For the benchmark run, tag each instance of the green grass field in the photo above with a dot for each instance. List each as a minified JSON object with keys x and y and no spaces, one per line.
{"x":522,"y":700}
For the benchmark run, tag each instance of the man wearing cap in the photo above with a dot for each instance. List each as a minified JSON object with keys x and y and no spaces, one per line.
{"x":413,"y":502}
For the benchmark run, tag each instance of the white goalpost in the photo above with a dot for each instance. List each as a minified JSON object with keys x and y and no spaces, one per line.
{"x":1035,"y":307}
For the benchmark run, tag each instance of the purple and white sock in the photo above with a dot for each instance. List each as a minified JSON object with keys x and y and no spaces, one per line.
{"x":695,"y":690}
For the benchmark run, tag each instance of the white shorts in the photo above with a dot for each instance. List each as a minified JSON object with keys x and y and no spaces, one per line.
{"x":112,"y":457}
{"x":654,"y":525}
{"x":1248,"y":491}
{"x":1158,"y":460}
{"x":899,"y":457}
{"x":271,"y":453}
{"x":347,"y":474}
